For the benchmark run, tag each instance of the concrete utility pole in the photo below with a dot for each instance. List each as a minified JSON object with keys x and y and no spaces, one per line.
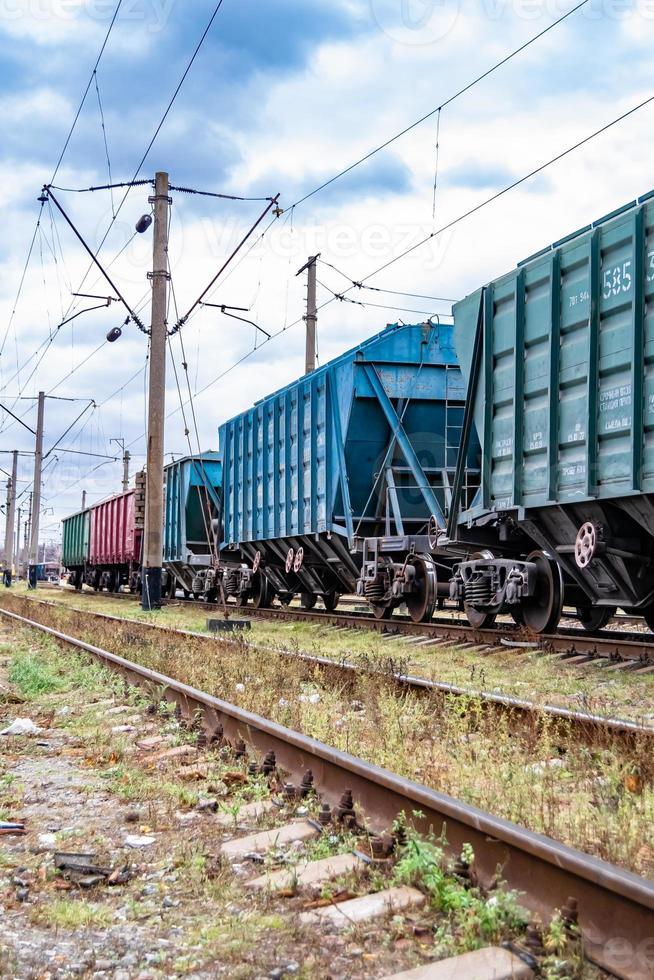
{"x":17,"y":543}
{"x":311,"y":318}
{"x":83,"y":499}
{"x":36,"y":493}
{"x":11,"y":512}
{"x":153,"y":537}
{"x":25,"y":557}
{"x":126,"y":459}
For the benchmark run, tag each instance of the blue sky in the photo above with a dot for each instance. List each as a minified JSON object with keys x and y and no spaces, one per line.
{"x":283,"y":95}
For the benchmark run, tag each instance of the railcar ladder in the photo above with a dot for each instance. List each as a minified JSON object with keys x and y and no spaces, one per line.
{"x":453,"y":430}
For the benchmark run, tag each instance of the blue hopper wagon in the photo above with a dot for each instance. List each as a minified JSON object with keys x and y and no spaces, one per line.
{"x":338,"y":482}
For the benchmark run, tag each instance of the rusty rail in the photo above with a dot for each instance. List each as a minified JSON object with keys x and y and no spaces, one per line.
{"x":591,"y":726}
{"x":610,"y":646}
{"x":616,"y":907}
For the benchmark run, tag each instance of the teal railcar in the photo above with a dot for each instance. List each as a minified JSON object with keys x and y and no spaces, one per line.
{"x":559,"y":359}
{"x":193,"y":503}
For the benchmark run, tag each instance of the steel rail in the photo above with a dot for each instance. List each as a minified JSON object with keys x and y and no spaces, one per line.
{"x":587,"y":722}
{"x":616,"y":907}
{"x":608,"y":645}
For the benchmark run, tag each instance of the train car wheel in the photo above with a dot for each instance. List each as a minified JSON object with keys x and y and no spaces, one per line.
{"x":262,"y":597}
{"x":422,"y":603}
{"x":381,"y":612}
{"x":595,"y":617}
{"x":331,"y":600}
{"x":542,"y":611}
{"x":307,"y":600}
{"x":478,"y":618}
{"x":648,"y":616}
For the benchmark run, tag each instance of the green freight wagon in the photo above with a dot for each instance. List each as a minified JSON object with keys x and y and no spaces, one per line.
{"x":559,"y":359}
{"x":75,"y":546}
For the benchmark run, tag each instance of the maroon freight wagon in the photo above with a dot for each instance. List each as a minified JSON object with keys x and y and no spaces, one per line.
{"x":115,"y":541}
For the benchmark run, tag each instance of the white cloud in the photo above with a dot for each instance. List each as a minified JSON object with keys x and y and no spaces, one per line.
{"x":309,"y":124}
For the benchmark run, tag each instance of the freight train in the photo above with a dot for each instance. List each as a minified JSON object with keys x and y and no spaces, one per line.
{"x":505,"y":463}
{"x":337,"y":483}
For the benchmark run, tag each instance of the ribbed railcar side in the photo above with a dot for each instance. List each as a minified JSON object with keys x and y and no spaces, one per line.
{"x":563,"y":395}
{"x":362,"y":449}
{"x":115,"y":542}
{"x":75,"y":545}
{"x":193,"y":503}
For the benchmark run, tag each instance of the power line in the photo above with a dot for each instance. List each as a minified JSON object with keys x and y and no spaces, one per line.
{"x":104,"y":137}
{"x":366,"y":303}
{"x":150,"y":144}
{"x":448,"y":101}
{"x":378,"y":289}
{"x":86,"y":91}
{"x":22,"y":280}
{"x":183,"y":319}
{"x":56,"y":170}
{"x":450,"y":224}
{"x":510,"y":187}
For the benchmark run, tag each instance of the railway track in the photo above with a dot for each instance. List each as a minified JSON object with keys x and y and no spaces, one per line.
{"x":610,"y":648}
{"x":592,"y":728}
{"x":615,"y":907}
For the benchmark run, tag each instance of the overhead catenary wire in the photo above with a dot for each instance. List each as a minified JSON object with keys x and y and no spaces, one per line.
{"x":510,"y":187}
{"x":86,"y":91}
{"x":152,"y":139}
{"x":437,"y":109}
{"x":56,"y":169}
{"x":21,"y":282}
{"x":450,"y":224}
{"x":104,"y":137}
{"x":366,"y":303}
{"x":392,"y":292}
{"x":183,"y":319}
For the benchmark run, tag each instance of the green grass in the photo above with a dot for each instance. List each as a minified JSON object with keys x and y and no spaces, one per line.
{"x":541,"y":776}
{"x":527,"y":674}
{"x":34,"y":676}
{"x":72,"y":913}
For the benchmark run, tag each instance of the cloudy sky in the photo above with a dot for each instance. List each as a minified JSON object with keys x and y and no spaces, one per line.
{"x":283,"y":95}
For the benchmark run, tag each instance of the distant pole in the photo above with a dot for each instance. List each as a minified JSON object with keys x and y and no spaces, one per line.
{"x":17,"y":543}
{"x":83,"y":499}
{"x":11,"y":512}
{"x":311,"y":318}
{"x":8,"y":527}
{"x":126,"y":459}
{"x":26,"y":537}
{"x":36,"y":493}
{"x":153,"y":546}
